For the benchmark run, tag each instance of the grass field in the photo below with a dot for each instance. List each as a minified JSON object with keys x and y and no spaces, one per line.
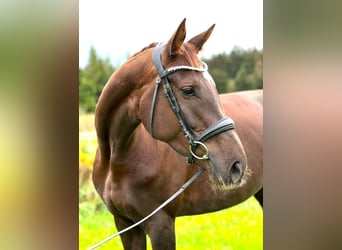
{"x":236,"y":228}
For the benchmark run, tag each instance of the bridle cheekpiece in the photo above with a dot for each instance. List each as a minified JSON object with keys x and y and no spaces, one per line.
{"x":224,"y":124}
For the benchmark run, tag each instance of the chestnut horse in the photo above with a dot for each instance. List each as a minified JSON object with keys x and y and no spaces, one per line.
{"x":158,"y":120}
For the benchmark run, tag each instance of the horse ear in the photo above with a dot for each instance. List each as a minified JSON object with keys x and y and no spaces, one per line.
{"x":200,"y":39}
{"x":177,"y":39}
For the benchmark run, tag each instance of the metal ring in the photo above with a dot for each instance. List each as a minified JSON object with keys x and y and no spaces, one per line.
{"x":205,"y":156}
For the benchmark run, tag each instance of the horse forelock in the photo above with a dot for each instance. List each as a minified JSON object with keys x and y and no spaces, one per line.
{"x":186,"y":56}
{"x":191,"y":56}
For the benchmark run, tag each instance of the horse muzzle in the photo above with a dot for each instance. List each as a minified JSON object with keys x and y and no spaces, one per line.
{"x":230,"y":177}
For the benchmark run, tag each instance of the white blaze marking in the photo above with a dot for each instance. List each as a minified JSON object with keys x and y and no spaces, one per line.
{"x":207,"y":76}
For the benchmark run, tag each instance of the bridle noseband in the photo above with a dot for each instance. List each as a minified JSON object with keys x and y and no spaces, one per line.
{"x":220,"y":126}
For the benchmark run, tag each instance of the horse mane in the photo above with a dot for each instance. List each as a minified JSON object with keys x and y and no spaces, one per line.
{"x":152,"y":45}
{"x":189,"y":56}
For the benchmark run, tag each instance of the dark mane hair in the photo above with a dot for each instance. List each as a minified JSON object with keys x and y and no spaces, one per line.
{"x":191,"y":57}
{"x":145,"y":48}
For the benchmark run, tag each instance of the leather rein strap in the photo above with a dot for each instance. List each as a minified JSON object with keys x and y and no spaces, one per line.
{"x":224,"y":124}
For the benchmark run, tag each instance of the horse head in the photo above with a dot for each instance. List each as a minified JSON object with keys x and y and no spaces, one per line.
{"x":182,"y":108}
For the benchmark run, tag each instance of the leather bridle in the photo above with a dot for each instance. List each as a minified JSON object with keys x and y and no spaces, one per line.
{"x":224,"y":124}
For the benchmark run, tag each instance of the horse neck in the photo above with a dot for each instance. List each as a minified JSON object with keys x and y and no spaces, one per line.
{"x":116,"y":115}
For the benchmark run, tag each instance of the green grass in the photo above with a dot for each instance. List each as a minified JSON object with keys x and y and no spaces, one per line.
{"x":239,"y":227}
{"x":236,"y":228}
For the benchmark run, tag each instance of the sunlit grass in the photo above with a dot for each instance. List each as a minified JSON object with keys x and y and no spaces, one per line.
{"x":86,"y":123}
{"x":239,"y":227}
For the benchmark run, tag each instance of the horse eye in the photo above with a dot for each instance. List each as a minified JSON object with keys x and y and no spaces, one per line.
{"x":189,"y":91}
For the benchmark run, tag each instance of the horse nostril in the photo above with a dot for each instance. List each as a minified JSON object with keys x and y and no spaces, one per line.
{"x":236,"y":172}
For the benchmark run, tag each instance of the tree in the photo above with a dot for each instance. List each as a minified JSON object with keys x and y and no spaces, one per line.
{"x":239,"y":70}
{"x":92,"y":80}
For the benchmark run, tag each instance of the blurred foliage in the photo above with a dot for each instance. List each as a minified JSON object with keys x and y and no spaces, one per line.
{"x":238,"y":70}
{"x":92,"y":80}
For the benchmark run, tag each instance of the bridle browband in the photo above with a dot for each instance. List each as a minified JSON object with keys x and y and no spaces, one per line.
{"x":224,"y":124}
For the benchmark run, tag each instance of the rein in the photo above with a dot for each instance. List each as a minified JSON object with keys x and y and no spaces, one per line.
{"x":185,"y":185}
{"x":224,"y":124}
